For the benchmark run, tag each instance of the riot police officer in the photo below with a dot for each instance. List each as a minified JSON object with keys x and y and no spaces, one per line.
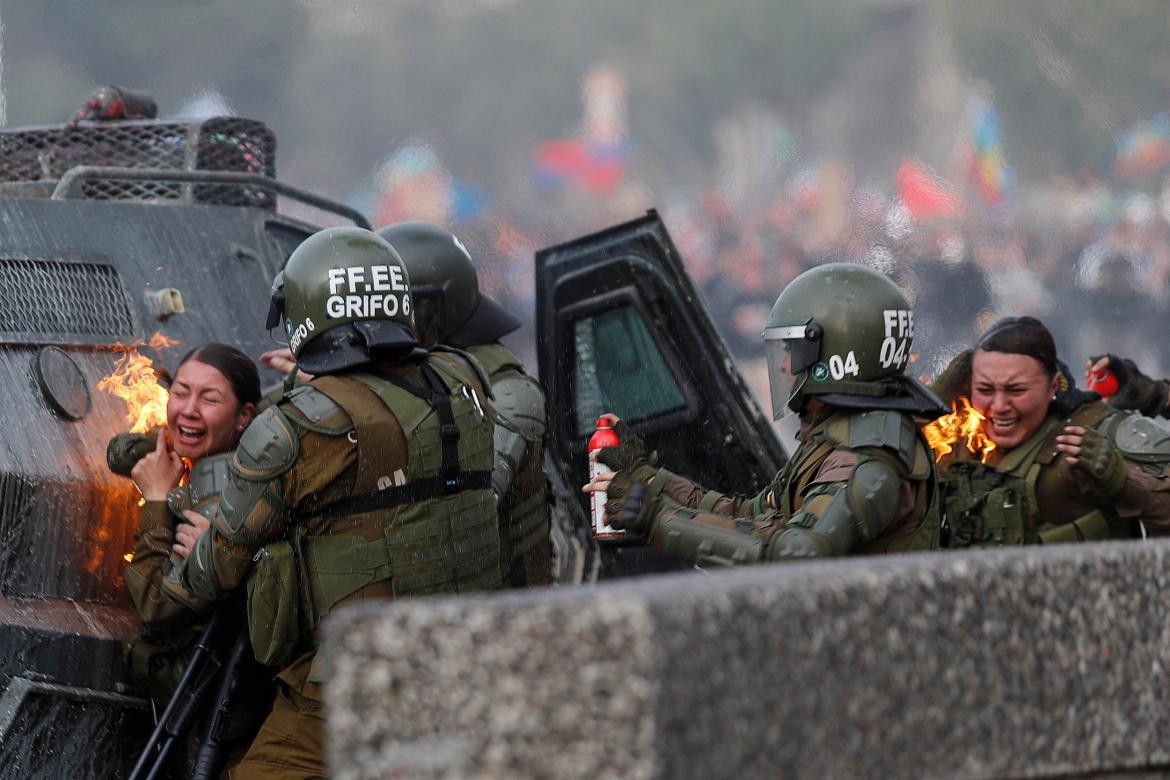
{"x":1065,"y":468}
{"x":838,"y":341}
{"x":371,"y":481}
{"x":451,"y":310}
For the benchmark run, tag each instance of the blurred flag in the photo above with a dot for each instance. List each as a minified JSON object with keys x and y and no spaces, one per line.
{"x":923,"y":194}
{"x":1144,"y":148}
{"x":573,"y":162}
{"x":412,"y":183}
{"x":987,"y":169}
{"x":594,"y":162}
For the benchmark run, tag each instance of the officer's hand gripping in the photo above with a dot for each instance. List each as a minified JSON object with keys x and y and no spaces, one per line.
{"x":629,"y":456}
{"x":1135,"y":389}
{"x":1096,"y":457}
{"x":626,"y":507}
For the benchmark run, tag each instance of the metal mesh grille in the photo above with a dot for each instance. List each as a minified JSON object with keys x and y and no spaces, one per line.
{"x":216,"y":144}
{"x":55,"y":302}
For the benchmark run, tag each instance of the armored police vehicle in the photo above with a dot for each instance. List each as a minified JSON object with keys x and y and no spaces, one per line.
{"x":115,"y":233}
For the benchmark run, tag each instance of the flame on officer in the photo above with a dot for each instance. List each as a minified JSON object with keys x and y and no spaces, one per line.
{"x":135,"y":382}
{"x":964,"y":423}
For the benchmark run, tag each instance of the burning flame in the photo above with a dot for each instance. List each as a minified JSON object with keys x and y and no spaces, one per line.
{"x":159,"y":341}
{"x":134,"y":381}
{"x":962,"y":423}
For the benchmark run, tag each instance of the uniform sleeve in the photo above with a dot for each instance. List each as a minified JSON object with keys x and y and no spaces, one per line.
{"x":1146,"y":497}
{"x":144,"y":576}
{"x":252,"y":507}
{"x":274,"y":469}
{"x":691,"y":494}
{"x":854,"y":498}
{"x":251,"y":514}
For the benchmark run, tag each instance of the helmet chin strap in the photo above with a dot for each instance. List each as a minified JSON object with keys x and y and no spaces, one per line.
{"x":798,"y":395}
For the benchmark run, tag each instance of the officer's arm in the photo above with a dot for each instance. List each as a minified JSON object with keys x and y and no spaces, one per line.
{"x":1146,"y":497}
{"x":145,"y":574}
{"x":835,"y":518}
{"x":839,"y":518}
{"x":520,"y":420}
{"x":691,"y":494}
{"x":1145,"y":493}
{"x":252,"y":508}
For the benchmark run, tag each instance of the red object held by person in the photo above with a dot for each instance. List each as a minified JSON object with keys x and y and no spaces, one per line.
{"x":604,"y":436}
{"x":1104,"y":383}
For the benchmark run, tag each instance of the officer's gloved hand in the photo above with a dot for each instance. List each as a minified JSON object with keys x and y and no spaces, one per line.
{"x":626,"y":507}
{"x":126,"y":449}
{"x":1099,"y":460}
{"x":629,"y":457}
{"x":1135,"y":389}
{"x":955,"y":379}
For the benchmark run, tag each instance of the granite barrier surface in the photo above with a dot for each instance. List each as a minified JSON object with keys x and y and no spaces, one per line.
{"x":1028,"y":662}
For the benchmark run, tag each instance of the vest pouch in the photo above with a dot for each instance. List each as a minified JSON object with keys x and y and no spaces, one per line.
{"x":338,"y":566}
{"x":986,"y":508}
{"x":274,"y":604}
{"x":157,"y":659}
{"x":1003,"y":517}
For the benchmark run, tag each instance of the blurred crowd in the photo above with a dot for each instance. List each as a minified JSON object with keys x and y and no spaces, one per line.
{"x":1089,"y":260}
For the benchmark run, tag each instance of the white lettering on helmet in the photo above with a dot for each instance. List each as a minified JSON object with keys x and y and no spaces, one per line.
{"x":369,"y":306}
{"x":336,"y":277}
{"x":368,"y":294}
{"x":901,"y":320}
{"x":356,"y":275}
{"x":397,"y":283}
{"x":839,"y":368}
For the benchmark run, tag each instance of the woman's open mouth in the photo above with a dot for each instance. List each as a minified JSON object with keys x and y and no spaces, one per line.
{"x":189,"y":436}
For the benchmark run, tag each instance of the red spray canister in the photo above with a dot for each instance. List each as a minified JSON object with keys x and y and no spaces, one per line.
{"x":604,"y":436}
{"x":1104,"y":383}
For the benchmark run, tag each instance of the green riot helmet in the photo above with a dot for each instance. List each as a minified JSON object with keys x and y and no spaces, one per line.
{"x":450,"y":308}
{"x":839,"y":331}
{"x":344,"y":296}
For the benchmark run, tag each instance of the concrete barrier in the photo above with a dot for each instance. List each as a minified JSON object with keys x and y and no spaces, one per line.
{"x":1038,"y":662}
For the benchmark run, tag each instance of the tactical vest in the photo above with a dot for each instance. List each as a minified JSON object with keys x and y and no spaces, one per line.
{"x":437,"y":514}
{"x":1014,"y":501}
{"x":524,"y":511}
{"x":893,"y":439}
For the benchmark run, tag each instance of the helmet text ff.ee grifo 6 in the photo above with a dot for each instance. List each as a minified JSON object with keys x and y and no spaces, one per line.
{"x":837,"y":329}
{"x":344,"y":295}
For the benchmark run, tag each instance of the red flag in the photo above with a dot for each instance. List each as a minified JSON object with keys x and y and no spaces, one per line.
{"x":924,"y":195}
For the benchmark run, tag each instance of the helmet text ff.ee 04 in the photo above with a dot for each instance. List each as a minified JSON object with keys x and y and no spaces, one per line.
{"x":836,"y":330}
{"x":344,"y":296}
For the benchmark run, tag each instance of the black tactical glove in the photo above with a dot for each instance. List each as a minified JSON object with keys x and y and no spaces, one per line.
{"x":126,"y":449}
{"x":955,"y":379}
{"x":629,"y":456}
{"x":626,"y":507}
{"x":1102,"y":462}
{"x":1135,"y":389}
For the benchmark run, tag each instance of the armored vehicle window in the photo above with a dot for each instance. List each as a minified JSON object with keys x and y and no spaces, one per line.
{"x":620,"y":369}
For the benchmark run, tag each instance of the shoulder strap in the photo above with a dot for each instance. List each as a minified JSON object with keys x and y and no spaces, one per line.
{"x":376,"y":431}
{"x":438,"y":396}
